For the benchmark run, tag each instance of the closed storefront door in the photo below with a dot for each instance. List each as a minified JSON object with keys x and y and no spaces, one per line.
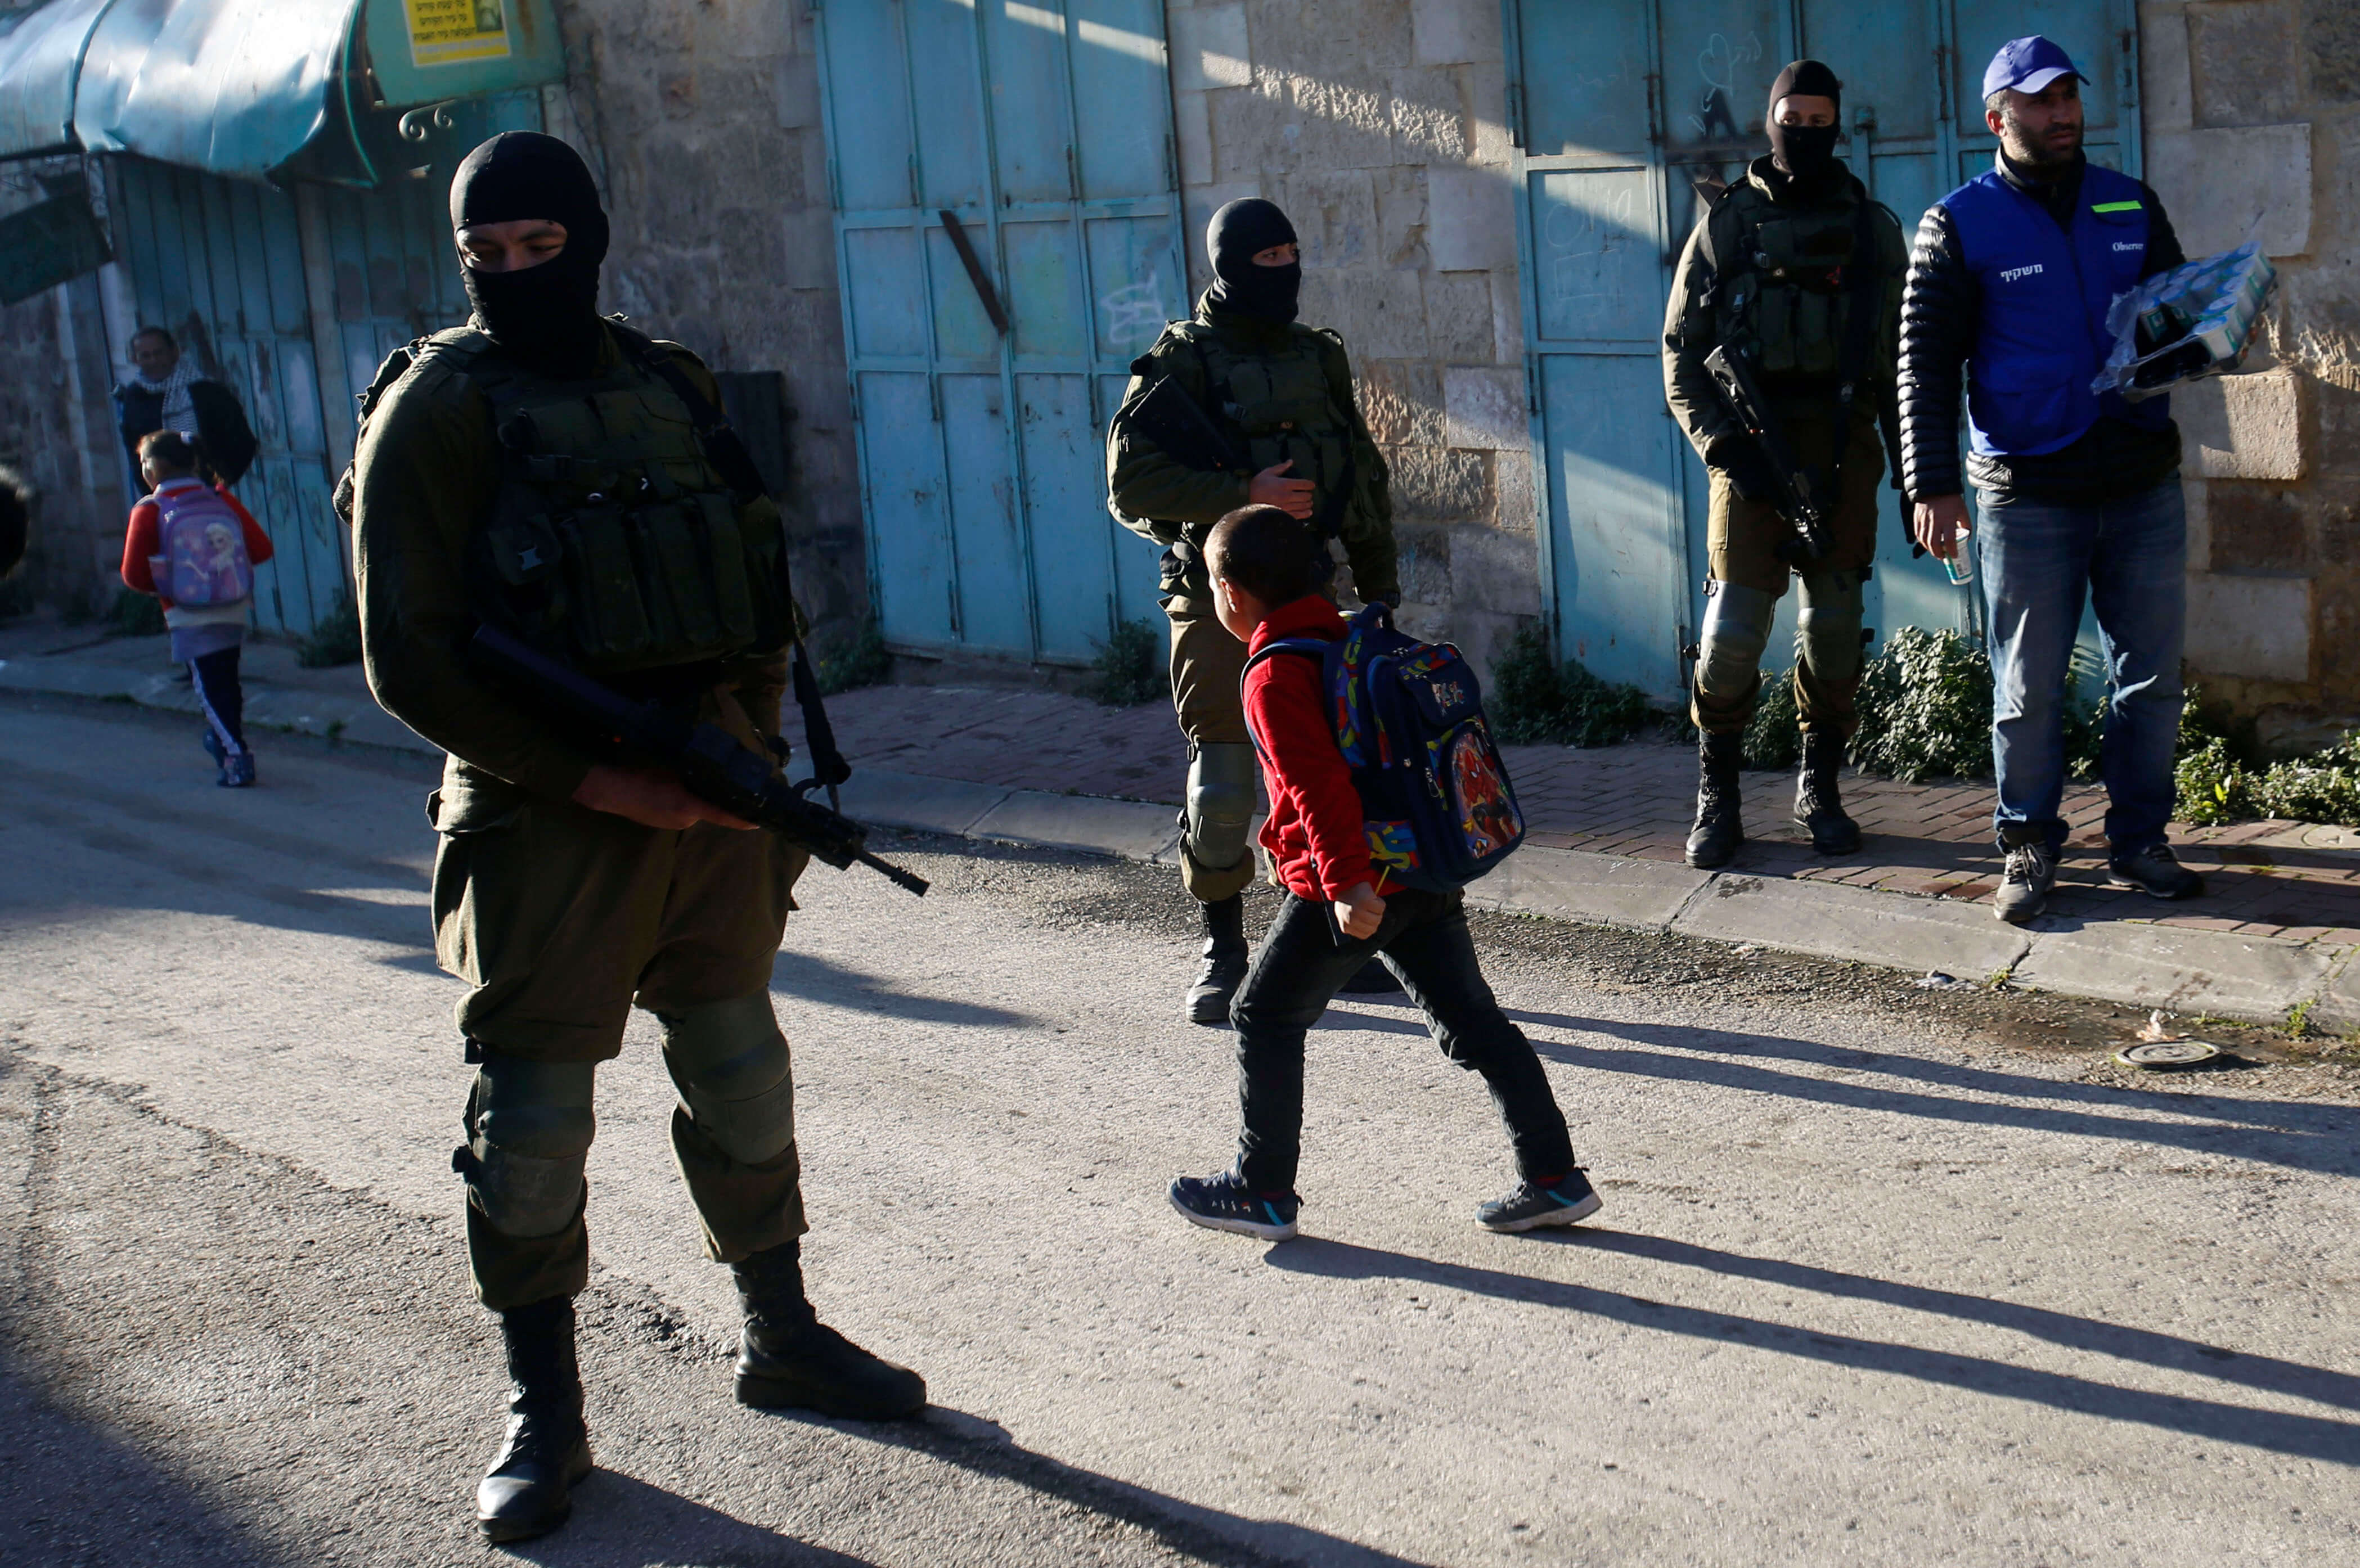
{"x":1009,"y":240}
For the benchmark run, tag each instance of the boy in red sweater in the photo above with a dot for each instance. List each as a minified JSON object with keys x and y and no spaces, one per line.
{"x":218,"y":544}
{"x":1339,"y":912}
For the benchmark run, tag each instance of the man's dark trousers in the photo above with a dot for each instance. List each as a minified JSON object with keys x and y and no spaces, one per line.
{"x":1424,"y":941}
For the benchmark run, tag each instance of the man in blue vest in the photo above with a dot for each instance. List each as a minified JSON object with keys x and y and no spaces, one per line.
{"x":2011,"y":277}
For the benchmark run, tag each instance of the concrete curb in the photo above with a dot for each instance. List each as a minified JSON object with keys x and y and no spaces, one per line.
{"x":2186,"y":971}
{"x":268,"y":707}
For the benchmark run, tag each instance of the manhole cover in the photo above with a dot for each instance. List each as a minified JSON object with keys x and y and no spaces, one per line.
{"x":2167,"y":1054}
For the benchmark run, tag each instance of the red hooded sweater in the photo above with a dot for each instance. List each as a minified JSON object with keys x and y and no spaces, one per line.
{"x":1313,"y":832}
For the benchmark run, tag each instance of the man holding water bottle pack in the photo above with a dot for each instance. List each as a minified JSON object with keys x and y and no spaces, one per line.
{"x":2079,"y":492}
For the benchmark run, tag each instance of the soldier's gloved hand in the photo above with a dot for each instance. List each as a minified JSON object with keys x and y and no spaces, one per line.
{"x":1740,"y":457}
{"x":649,"y":797}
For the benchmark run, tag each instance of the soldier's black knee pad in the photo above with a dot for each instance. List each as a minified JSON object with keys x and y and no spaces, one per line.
{"x":530,"y":1125}
{"x":730,"y":1064}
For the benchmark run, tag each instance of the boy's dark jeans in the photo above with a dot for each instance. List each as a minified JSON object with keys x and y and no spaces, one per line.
{"x":1424,"y":941}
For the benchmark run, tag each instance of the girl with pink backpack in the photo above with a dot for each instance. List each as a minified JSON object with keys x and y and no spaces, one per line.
{"x":195,"y":548}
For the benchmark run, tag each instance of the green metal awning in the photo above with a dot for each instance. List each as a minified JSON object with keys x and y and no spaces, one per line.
{"x":246,"y":87}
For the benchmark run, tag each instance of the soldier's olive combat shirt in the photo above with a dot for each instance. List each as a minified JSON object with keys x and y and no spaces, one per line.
{"x":1282,"y":392}
{"x":425,"y":477}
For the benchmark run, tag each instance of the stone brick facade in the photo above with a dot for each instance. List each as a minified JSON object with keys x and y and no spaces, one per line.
{"x":1380,"y":125}
{"x":703,"y":124}
{"x":2252,"y":119}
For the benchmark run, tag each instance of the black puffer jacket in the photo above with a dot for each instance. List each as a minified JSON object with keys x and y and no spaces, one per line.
{"x":1940,"y":304}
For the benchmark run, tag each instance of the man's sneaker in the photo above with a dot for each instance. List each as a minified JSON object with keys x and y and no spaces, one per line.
{"x":1533,"y":1205}
{"x":237,"y":772}
{"x":2024,"y":886}
{"x":2155,"y":872}
{"x":213,"y":749}
{"x":1224,"y":1203}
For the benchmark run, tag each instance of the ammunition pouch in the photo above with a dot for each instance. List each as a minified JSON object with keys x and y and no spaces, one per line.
{"x":613,"y":543}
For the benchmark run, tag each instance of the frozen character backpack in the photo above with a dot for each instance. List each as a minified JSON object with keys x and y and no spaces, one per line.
{"x":204,"y":559}
{"x":1408,"y":717}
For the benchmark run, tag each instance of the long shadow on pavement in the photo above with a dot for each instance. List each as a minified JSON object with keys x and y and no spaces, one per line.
{"x":621,"y":1519}
{"x":1208,"y":1535}
{"x":2304,"y":1135}
{"x":836,"y":984}
{"x":2308,"y":1437}
{"x":73,"y":1491}
{"x":2262,"y":1372}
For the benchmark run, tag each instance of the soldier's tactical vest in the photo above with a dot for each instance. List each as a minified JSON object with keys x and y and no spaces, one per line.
{"x":613,"y":543}
{"x":1280,"y":408}
{"x":1781,"y":273}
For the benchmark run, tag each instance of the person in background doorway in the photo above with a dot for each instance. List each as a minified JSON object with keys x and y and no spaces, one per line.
{"x":1280,"y":395}
{"x":166,"y":391}
{"x":1795,"y":270}
{"x":2079,"y":493}
{"x":195,"y":547}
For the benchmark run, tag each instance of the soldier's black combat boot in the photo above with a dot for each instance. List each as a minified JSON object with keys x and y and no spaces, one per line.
{"x":1818,"y":808}
{"x":1225,"y":962}
{"x":1719,"y":823}
{"x":788,"y":1359}
{"x":528,"y":1491}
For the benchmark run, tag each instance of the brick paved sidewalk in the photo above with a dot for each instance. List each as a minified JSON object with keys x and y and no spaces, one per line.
{"x":2282,"y":879}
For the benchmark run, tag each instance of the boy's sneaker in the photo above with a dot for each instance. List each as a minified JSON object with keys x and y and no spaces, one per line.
{"x":2155,"y":872}
{"x":1225,"y":1202}
{"x":2024,"y":886}
{"x":1566,"y":1201}
{"x":237,"y":772}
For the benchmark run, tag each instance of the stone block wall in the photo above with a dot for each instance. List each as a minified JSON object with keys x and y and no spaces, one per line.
{"x":1380,"y":125}
{"x":702,"y":122}
{"x":2252,"y":121}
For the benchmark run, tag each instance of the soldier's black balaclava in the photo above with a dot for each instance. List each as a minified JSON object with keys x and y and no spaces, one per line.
{"x":1237,"y":231}
{"x":548,"y":314}
{"x":1806,"y":152}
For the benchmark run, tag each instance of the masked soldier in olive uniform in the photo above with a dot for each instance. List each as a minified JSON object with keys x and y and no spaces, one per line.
{"x":1281,"y":396}
{"x":1772,"y":273}
{"x":540,"y":469}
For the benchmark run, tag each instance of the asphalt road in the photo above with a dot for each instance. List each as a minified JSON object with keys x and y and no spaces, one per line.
{"x":1874,"y":1283}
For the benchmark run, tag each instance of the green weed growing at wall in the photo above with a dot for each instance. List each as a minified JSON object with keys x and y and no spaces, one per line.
{"x":1534,"y":700}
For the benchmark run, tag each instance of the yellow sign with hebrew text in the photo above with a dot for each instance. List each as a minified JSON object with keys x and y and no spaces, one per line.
{"x":445,"y":32}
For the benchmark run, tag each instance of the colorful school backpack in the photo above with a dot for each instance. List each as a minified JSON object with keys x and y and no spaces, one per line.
{"x":203,"y":560}
{"x":1408,"y":717}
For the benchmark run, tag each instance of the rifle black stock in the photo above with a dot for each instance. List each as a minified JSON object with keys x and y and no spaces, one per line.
{"x":709,"y":760}
{"x":1742,"y":395}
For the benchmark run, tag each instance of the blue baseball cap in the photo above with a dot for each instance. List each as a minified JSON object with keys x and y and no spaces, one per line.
{"x":2028,"y":65}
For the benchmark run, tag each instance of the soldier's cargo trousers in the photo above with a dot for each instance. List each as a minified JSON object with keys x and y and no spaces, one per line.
{"x":560,"y":919}
{"x":1749,"y":578}
{"x":1207,"y":664}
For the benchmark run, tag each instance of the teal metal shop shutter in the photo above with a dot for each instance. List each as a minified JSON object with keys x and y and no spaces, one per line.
{"x":1619,"y":110}
{"x":219,"y":262}
{"x":1044,"y":130}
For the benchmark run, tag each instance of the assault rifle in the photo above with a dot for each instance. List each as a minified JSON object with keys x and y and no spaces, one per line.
{"x":708,"y":759}
{"x":1180,"y":429}
{"x":1742,"y":395}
